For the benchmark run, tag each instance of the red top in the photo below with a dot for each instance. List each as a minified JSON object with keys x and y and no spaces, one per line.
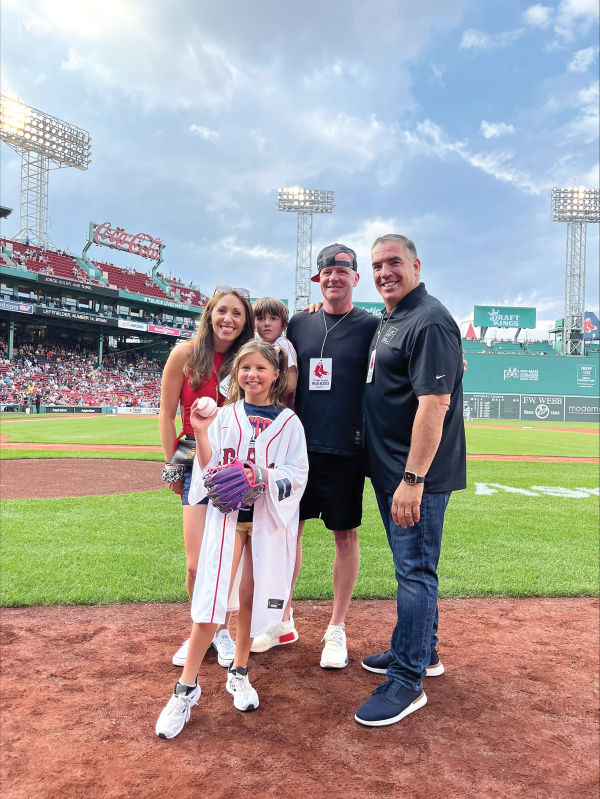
{"x":208,"y":388}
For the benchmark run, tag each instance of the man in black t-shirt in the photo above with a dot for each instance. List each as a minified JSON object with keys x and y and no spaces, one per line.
{"x":333,"y":348}
{"x":416,"y":448}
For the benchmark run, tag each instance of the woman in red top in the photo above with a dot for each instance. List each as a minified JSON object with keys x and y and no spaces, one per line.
{"x":196,"y":369}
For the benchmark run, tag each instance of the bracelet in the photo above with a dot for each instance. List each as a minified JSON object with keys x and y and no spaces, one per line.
{"x":171,"y":473}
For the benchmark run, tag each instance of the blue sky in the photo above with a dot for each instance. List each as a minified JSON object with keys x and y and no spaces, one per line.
{"x":446,"y":120}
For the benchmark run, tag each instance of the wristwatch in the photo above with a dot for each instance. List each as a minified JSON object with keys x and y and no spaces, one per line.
{"x":412,"y":478}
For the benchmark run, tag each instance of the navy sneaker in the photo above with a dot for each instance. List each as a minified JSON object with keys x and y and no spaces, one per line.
{"x":389,"y":703}
{"x":436,"y":667}
{"x":380,"y":663}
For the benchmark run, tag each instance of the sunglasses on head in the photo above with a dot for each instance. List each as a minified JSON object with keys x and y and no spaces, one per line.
{"x":222,"y":289}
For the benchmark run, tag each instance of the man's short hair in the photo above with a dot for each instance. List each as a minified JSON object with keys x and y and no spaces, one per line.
{"x":409,"y":246}
{"x":271,"y":306}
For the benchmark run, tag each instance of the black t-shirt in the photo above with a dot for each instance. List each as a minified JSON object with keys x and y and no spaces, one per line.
{"x":260,"y":417}
{"x":418,"y":352}
{"x":333,"y":419}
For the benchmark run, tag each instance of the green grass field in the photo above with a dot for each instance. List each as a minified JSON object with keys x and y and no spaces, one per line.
{"x":129,"y":548}
{"x":506,"y":535}
{"x":51,"y":454}
{"x":126,"y":430}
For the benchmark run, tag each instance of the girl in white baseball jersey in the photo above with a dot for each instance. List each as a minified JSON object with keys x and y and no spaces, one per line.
{"x":253,"y":426}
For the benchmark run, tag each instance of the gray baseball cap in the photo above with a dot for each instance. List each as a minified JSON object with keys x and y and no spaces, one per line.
{"x":327,"y":258}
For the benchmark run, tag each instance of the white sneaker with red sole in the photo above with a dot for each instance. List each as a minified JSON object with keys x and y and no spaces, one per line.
{"x":282,"y":633}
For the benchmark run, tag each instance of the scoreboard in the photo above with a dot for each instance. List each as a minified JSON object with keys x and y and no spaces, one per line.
{"x":528,"y":407}
{"x":493,"y":406}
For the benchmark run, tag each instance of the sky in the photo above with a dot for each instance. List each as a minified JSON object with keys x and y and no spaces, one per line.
{"x":448,"y":121}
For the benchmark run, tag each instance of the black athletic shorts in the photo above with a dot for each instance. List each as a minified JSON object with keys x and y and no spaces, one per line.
{"x":334,"y":490}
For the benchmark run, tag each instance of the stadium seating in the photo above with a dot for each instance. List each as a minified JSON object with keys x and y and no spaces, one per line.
{"x":66,"y":377}
{"x":541,"y":348}
{"x":507,"y":348}
{"x":53,"y":262}
{"x":469,"y":345}
{"x":129,"y":280}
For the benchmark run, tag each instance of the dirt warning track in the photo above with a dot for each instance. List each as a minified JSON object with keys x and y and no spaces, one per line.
{"x":514,"y":715}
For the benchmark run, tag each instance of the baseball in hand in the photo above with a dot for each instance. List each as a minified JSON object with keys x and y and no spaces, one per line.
{"x":206,"y":406}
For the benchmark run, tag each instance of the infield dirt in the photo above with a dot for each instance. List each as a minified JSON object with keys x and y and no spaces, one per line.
{"x":514,"y":715}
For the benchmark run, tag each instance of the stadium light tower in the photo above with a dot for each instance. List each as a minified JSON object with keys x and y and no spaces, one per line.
{"x":305,"y":203}
{"x":576,"y":207}
{"x":44,"y":143}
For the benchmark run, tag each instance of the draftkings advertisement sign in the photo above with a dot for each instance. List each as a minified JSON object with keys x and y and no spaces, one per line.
{"x":504,"y":317}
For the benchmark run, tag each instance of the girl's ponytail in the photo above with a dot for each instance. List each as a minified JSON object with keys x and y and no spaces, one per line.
{"x":279,"y":390}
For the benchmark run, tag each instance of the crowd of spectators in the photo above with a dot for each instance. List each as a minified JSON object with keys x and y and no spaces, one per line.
{"x":52,"y":374}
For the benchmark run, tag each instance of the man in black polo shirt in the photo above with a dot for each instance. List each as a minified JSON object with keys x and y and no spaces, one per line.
{"x":417,"y":457}
{"x":333,"y":350}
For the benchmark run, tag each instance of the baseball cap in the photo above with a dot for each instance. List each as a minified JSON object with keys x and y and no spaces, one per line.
{"x":327,"y":258}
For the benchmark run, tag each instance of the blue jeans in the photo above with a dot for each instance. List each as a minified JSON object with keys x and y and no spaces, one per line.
{"x":416,"y":552}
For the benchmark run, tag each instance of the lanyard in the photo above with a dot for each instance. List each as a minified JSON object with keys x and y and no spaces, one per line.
{"x":328,"y":331}
{"x":382,"y":328}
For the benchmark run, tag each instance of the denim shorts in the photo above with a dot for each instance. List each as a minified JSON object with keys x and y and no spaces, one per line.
{"x":187,"y":481}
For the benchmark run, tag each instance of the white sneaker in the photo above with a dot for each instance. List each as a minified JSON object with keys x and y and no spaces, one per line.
{"x":245,"y":697}
{"x":225,"y":647}
{"x":335,"y":651}
{"x":284,"y":632}
{"x":181,"y":654}
{"x":174,"y":716}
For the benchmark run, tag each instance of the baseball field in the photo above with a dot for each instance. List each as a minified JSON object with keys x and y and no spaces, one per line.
{"x":94,"y":605}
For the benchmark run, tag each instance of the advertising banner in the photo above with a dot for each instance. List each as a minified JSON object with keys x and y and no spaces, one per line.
{"x":75,"y":316}
{"x":178,"y":306}
{"x":164,"y":331}
{"x":76,"y":285}
{"x":375,"y":308}
{"x":59,"y":409}
{"x":582,"y":409}
{"x":187,"y":333}
{"x":138,"y":411}
{"x":546,"y":409}
{"x":531,"y":374}
{"x":125,"y":323}
{"x":504,"y":316}
{"x":591,"y":326}
{"x":16,"y":307}
{"x":87,"y":410}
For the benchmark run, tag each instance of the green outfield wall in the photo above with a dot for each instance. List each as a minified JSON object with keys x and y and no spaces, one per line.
{"x":532,"y":387}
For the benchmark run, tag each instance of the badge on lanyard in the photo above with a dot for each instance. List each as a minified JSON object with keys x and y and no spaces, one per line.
{"x":320,"y":374}
{"x":371,"y":367}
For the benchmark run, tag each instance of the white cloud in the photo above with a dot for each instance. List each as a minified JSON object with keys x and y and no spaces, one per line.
{"x":320,"y":78}
{"x":490,"y":129}
{"x":586,"y":124}
{"x":260,"y":140}
{"x":204,"y":133}
{"x":230,"y":245}
{"x":575,"y":17}
{"x":474,"y":39}
{"x":582,"y":60}
{"x":438,"y":72}
{"x":538,"y":15}
{"x":495,"y":164}
{"x":364,"y":138}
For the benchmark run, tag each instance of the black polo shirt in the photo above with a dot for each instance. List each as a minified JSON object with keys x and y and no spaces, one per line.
{"x":418,"y":352}
{"x":333,"y":420}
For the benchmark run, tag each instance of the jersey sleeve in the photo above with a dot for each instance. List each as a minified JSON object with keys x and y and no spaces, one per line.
{"x":287,"y":482}
{"x":434,"y":361}
{"x":197,"y":490}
